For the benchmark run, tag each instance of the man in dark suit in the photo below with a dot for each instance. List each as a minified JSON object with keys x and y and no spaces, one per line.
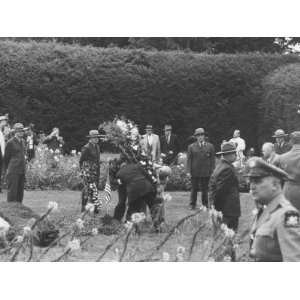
{"x":14,"y":159}
{"x":200,"y":165}
{"x":281,"y":146}
{"x":169,"y":145}
{"x":89,"y":163}
{"x":224,"y":187}
{"x":140,"y":191}
{"x":290,"y":163}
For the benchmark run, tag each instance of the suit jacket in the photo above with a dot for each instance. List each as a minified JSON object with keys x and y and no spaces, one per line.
{"x":283,"y":148}
{"x":14,"y":157}
{"x":153,"y":150}
{"x":200,"y":160}
{"x":137,"y":185}
{"x":290,"y":162}
{"x":224,"y":189}
{"x":90,"y":153}
{"x":173,"y":145}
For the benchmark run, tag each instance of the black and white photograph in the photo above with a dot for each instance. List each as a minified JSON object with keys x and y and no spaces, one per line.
{"x":149,"y":150}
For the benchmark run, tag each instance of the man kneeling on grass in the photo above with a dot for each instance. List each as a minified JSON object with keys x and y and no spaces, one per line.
{"x":141,"y":191}
{"x":224,"y":187}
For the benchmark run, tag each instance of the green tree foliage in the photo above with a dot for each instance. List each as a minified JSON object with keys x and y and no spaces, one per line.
{"x":76,"y":88}
{"x":281,"y":97}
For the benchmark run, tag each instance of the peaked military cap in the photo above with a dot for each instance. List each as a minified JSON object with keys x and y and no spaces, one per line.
{"x":257,"y":167}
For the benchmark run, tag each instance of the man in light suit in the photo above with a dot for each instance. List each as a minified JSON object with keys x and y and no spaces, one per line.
{"x":290,"y":163}
{"x":150,"y":145}
{"x":200,"y":165}
{"x":3,"y":123}
{"x":14,"y":159}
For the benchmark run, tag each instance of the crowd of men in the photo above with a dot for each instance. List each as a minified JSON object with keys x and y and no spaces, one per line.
{"x":274,"y":180}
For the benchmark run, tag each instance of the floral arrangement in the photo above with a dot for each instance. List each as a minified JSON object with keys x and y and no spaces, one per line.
{"x":124,"y":134}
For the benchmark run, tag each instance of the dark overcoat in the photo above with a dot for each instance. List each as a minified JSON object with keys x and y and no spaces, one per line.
{"x":200,"y":160}
{"x":282,"y":148}
{"x":14,"y":156}
{"x":137,"y":185}
{"x":224,"y":189}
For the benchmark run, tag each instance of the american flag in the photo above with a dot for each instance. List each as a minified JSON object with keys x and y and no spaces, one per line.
{"x":106,"y":195}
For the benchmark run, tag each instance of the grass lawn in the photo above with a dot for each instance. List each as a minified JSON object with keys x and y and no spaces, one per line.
{"x":177,"y":208}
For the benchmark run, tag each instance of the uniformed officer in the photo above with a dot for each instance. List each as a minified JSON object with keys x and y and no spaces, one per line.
{"x":275,"y":235}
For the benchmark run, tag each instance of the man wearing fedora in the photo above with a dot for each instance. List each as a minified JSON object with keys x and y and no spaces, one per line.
{"x":290,"y":163}
{"x":200,"y":165}
{"x":3,"y":123}
{"x":14,"y":159}
{"x":90,"y":168}
{"x":281,"y":146}
{"x":169,"y":145}
{"x":224,"y":187}
{"x":150,"y":144}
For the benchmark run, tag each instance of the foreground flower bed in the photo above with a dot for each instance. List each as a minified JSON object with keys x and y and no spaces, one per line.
{"x":196,"y":236}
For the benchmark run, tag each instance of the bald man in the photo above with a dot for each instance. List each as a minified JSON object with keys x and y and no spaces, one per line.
{"x":269,"y":154}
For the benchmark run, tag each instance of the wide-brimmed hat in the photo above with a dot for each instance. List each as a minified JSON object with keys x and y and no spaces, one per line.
{"x":227,"y":148}
{"x":19,"y":127}
{"x":3,"y":118}
{"x":279,"y":133}
{"x":258,"y":168}
{"x":199,"y":131}
{"x":94,"y":133}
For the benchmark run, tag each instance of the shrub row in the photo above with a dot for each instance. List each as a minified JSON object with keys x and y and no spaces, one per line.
{"x":78,"y":87}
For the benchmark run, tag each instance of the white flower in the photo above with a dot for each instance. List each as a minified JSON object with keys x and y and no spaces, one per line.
{"x":51,"y":150}
{"x":19,"y":239}
{"x":73,"y":152}
{"x":166,"y":256}
{"x":74,"y":245}
{"x":180,"y":250}
{"x":56,"y":158}
{"x":128,"y":225}
{"x":52,"y":205}
{"x":4,"y":226}
{"x":94,"y":231}
{"x":79,"y":153}
{"x":167,"y":197}
{"x":224,"y":227}
{"x":26,"y":230}
{"x":143,"y":163}
{"x":182,"y":165}
{"x":122,"y":125}
{"x":163,"y":155}
{"x":227,"y":258}
{"x":90,"y":207}
{"x":57,"y":151}
{"x":79,"y":223}
{"x":229,"y":233}
{"x":138,"y":217}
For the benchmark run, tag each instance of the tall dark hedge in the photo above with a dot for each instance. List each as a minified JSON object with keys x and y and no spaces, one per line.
{"x":280,"y":101}
{"x":76,"y":88}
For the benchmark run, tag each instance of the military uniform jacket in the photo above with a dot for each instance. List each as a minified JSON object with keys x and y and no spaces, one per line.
{"x":282,"y":148}
{"x":200,"y":160}
{"x":137,"y":185}
{"x":224,"y":189}
{"x":276,"y":232}
{"x":290,"y":163}
{"x":14,"y":157}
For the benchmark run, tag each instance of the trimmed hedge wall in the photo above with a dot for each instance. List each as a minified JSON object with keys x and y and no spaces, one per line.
{"x":76,"y":88}
{"x":280,"y":101}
